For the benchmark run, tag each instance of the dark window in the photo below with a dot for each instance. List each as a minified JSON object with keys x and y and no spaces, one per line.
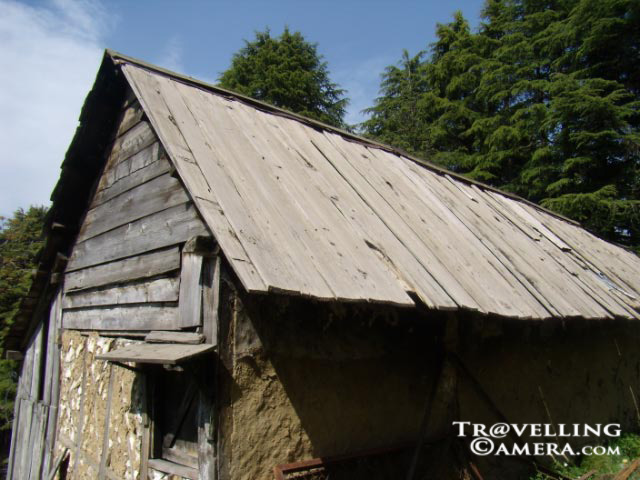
{"x":175,"y":404}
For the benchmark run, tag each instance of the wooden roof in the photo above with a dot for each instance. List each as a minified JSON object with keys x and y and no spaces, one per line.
{"x":301,"y":208}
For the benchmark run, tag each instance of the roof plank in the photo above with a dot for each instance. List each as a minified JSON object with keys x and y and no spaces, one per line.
{"x":304,"y":209}
{"x":147,"y":89}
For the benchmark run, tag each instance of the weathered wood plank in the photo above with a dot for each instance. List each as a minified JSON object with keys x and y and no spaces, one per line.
{"x":460,"y":266}
{"x":191,"y":338}
{"x":131,"y":116}
{"x":356,"y":271}
{"x":206,"y":449}
{"x":114,"y":171}
{"x":38,"y":346}
{"x":14,"y":435}
{"x":24,"y":384}
{"x":140,"y":168}
{"x":617,"y":263}
{"x":192,"y":175}
{"x":31,"y":441}
{"x":368,"y":226}
{"x":563,"y":281}
{"x":169,"y":227}
{"x":166,"y":354}
{"x":134,"y":268}
{"x":80,"y":420}
{"x":50,"y":376}
{"x":465,"y":212}
{"x":22,"y":469}
{"x":15,"y":355}
{"x":233,"y":249}
{"x":265,"y":223}
{"x":50,"y":439}
{"x":158,"y":290}
{"x":403,"y":230}
{"x":36,"y":443}
{"x":145,"y":444}
{"x":142,"y":317}
{"x":56,"y":465}
{"x":52,"y":380}
{"x":211,"y":299}
{"x":190,"y":290}
{"x":516,"y":209}
{"x":107,"y":424}
{"x":132,"y":142}
{"x":491,"y":231}
{"x":461,"y":250}
{"x":151,"y":197}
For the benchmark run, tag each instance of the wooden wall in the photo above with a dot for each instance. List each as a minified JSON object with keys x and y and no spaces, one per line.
{"x":123,"y":272}
{"x":36,"y":403}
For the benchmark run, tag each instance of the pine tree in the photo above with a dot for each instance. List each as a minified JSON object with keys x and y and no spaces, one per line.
{"x":287,"y":72}
{"x":20,"y":241}
{"x":541,"y":101}
{"x":397,"y":118}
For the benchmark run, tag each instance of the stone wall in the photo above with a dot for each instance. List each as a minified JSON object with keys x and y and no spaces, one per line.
{"x":85,"y":410}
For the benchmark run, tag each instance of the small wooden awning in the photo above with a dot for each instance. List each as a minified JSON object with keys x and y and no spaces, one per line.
{"x":166,"y":353}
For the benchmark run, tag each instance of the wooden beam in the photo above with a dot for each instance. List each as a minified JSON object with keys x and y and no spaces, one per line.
{"x":206,"y":438}
{"x":211,"y":299}
{"x":201,"y":244}
{"x":134,"y":268}
{"x":145,"y":447}
{"x":143,"y":317}
{"x":107,"y":420}
{"x":14,"y":355}
{"x":192,"y":338}
{"x":163,"y":229}
{"x":190,"y":302}
{"x":154,"y":291}
{"x":163,"y":354}
{"x":80,"y":419}
{"x":59,"y":459}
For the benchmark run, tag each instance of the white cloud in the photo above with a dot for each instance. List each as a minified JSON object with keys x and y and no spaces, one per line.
{"x":49,"y":56}
{"x":362,"y":82}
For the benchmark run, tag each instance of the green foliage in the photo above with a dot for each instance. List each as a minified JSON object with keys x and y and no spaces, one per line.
{"x":287,"y":72}
{"x":629,"y":447}
{"x":541,"y":101}
{"x":20,"y":241}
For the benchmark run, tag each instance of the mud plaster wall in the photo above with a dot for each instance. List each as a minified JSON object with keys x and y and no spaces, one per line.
{"x":83,"y":411}
{"x":573,"y":372}
{"x":304,"y":380}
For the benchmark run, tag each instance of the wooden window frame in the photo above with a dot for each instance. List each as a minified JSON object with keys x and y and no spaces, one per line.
{"x":160,"y":457}
{"x":204,"y":378}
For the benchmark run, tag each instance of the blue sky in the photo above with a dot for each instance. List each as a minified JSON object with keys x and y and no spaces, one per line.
{"x":50,"y":52}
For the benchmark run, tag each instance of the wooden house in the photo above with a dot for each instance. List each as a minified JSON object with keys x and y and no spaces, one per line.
{"x":231,"y":291}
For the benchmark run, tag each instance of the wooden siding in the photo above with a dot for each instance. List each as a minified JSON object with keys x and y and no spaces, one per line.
{"x":36,"y":403}
{"x":123,"y":271}
{"x":302,"y":209}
